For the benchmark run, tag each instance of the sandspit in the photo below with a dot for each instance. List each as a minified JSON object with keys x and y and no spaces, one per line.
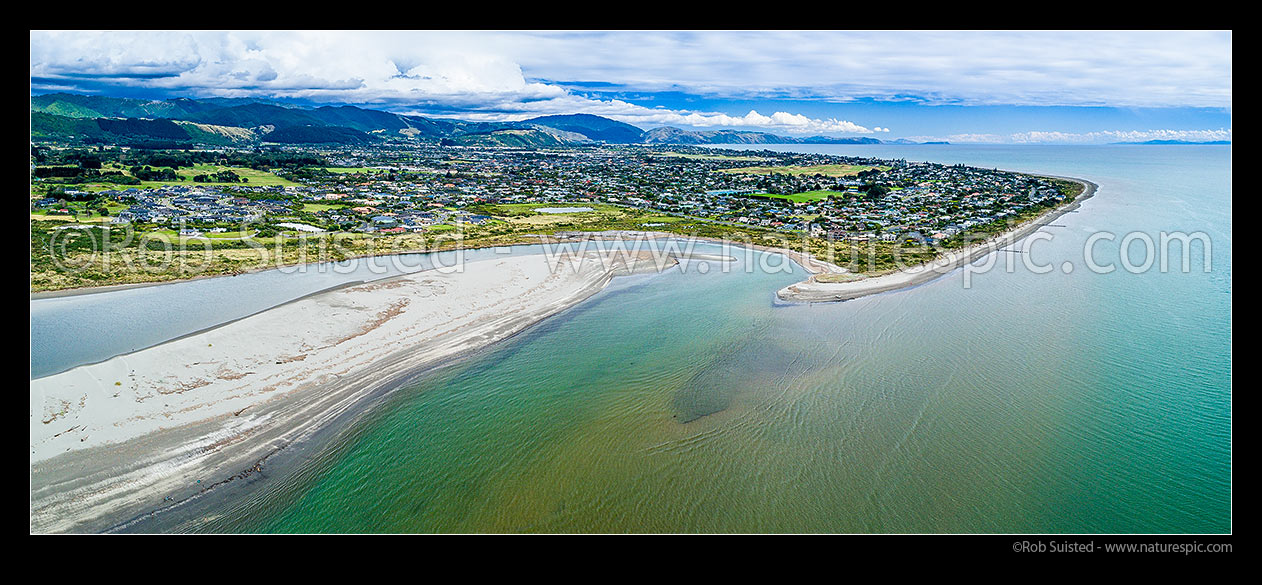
{"x":813,"y":291}
{"x":143,"y":431}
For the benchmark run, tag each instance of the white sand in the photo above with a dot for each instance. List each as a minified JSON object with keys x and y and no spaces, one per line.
{"x":118,"y":437}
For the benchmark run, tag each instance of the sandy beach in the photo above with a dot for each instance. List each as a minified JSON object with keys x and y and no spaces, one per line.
{"x":143,"y":431}
{"x":813,"y":291}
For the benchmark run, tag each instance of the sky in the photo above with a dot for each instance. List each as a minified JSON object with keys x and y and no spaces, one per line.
{"x":1064,"y":87}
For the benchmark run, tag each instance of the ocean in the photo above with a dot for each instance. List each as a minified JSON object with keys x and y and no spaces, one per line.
{"x":999,"y":398}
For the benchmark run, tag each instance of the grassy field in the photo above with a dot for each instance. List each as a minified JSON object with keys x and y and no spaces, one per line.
{"x":230,"y":235}
{"x":825,"y":170}
{"x":40,"y":216}
{"x":318,"y":207}
{"x":81,"y":211}
{"x":524,"y":214}
{"x":256,"y":177}
{"x":522,"y":217}
{"x":79,"y":217}
{"x":806,"y":197}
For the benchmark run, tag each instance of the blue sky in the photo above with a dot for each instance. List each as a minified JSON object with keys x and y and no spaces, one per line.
{"x":962,"y":86}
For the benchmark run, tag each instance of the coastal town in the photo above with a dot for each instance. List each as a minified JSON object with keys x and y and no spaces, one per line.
{"x":427,"y":191}
{"x":920,"y":283}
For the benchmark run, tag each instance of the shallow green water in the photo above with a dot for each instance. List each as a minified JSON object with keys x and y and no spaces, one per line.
{"x":690,"y":402}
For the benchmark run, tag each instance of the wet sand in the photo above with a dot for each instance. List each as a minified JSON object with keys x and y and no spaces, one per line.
{"x":119,"y":439}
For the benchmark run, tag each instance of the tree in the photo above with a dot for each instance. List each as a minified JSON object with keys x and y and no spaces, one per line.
{"x":876,"y":192}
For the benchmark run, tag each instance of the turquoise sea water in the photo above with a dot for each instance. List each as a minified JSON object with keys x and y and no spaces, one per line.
{"x":690,"y":402}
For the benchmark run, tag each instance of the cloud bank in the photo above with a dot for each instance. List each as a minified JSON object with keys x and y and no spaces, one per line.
{"x":513,"y":75}
{"x":1100,"y":137}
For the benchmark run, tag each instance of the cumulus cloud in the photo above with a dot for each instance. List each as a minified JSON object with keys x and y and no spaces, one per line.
{"x":653,"y":117}
{"x":330,"y":65}
{"x":783,"y":121}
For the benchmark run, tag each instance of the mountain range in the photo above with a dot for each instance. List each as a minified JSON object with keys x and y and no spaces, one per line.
{"x":180,"y":122}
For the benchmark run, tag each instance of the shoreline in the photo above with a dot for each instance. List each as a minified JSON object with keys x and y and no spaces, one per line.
{"x":807,"y":261}
{"x":538,"y":240}
{"x":154,"y":430}
{"x":686,"y":253}
{"x":105,"y":288}
{"x":813,"y":291}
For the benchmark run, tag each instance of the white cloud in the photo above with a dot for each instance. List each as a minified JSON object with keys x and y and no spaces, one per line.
{"x":514,"y":75}
{"x":341,"y":65}
{"x":1100,"y":137}
{"x":1121,"y":136}
{"x":654,"y":117}
{"x":1124,"y":68}
{"x":1117,"y":68}
{"x":783,"y":121}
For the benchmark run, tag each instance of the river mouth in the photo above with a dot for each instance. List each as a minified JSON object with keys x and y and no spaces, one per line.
{"x":76,"y":328}
{"x":266,"y":443}
{"x":1027,"y":403}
